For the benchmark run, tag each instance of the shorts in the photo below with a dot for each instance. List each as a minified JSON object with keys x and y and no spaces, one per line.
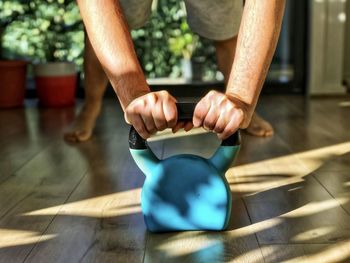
{"x":215,"y":20}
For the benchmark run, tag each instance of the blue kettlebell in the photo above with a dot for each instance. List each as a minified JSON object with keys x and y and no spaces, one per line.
{"x":185,"y":191}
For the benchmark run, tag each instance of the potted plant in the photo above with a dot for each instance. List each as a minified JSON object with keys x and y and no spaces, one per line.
{"x":55,"y":77}
{"x":184,"y":44}
{"x":12,"y":72}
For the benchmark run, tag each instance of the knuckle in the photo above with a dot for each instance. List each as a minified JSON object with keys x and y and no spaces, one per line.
{"x":209,"y":123}
{"x":172,"y":116}
{"x":139,"y":106}
{"x":231,"y":130}
{"x":128,"y":113}
{"x":161,"y":127}
{"x":142,"y":131}
{"x":153,"y":131}
{"x":171,"y":123}
{"x":212,"y":93}
{"x":160,"y":124}
{"x":219,"y":128}
{"x":144,"y":135}
{"x":164,"y":94}
{"x":149,"y":125}
{"x":222,"y":101}
{"x":220,"y":136}
{"x":200,"y":109}
{"x":152,"y":98}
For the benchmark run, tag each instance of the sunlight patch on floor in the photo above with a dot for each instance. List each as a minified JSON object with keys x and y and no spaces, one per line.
{"x":333,"y":253}
{"x":313,"y":233}
{"x":190,"y":244}
{"x":316,"y":207}
{"x":255,"y":227}
{"x":281,"y":171}
{"x":14,"y":237}
{"x":344,"y":104}
{"x":197,"y":243}
{"x":117,"y":204}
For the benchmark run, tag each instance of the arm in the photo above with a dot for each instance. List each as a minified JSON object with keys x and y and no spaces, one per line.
{"x":257,"y":40}
{"x":256,"y":44}
{"x":110,"y":38}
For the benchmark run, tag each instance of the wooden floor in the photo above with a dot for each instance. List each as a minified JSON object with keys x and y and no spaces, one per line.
{"x":81,"y":203}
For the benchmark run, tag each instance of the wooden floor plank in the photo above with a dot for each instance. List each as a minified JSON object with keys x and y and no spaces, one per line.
{"x":67,"y":203}
{"x":14,"y":123}
{"x":24,"y":132}
{"x":305,"y":253}
{"x":15,"y":154}
{"x":101,"y":221}
{"x":47,"y":180}
{"x":334,"y":175}
{"x":286,"y":192}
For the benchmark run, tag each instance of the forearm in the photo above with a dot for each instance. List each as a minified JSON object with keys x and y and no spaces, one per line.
{"x":257,"y":39}
{"x":112,"y":43}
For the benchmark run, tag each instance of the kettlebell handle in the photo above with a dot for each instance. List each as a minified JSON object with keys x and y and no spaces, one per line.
{"x":185,"y":112}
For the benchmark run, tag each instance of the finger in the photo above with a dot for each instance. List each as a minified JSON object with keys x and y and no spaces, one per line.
{"x":231,"y":127}
{"x":178,"y":126}
{"x":188,"y":126}
{"x":200,"y":111}
{"x":170,"y":112}
{"x":221,"y":123}
{"x":127,"y":118}
{"x":211,"y":118}
{"x":158,"y":116}
{"x":148,"y":121}
{"x":132,"y":109}
{"x":139,"y":126}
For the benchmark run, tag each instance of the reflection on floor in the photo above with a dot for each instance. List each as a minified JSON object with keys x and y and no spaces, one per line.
{"x":70,"y":203}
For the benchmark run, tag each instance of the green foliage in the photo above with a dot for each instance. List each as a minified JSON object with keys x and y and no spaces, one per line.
{"x":51,"y":30}
{"x":166,"y":39}
{"x":184,"y":44}
{"x":10,"y":11}
{"x":48,"y":31}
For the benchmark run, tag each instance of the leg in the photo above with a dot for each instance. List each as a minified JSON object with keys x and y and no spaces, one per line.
{"x":95,"y":85}
{"x":136,"y":13}
{"x":225,"y":52}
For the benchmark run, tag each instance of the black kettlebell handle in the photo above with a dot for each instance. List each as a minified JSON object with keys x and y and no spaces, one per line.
{"x":185,"y":113}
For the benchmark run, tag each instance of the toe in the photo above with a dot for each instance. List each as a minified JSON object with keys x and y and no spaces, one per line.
{"x":82,"y":136}
{"x":269,"y":133}
{"x":69,"y":137}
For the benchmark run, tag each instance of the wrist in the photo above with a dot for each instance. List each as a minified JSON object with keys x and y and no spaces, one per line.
{"x":246,"y":108}
{"x":130,"y":86}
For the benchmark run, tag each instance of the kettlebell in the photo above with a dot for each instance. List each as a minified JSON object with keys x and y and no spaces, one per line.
{"x":185,"y":191}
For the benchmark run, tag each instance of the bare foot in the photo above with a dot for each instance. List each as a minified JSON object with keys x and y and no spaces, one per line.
{"x":84,"y":124}
{"x":259,"y":127}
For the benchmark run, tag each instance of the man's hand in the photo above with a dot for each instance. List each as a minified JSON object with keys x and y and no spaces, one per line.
{"x":221,"y":113}
{"x":152,"y":112}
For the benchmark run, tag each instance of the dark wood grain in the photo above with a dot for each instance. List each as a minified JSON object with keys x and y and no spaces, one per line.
{"x":72,"y":203}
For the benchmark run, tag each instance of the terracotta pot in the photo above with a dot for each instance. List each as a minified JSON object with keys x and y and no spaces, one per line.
{"x":55,"y":84}
{"x":12,"y":83}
